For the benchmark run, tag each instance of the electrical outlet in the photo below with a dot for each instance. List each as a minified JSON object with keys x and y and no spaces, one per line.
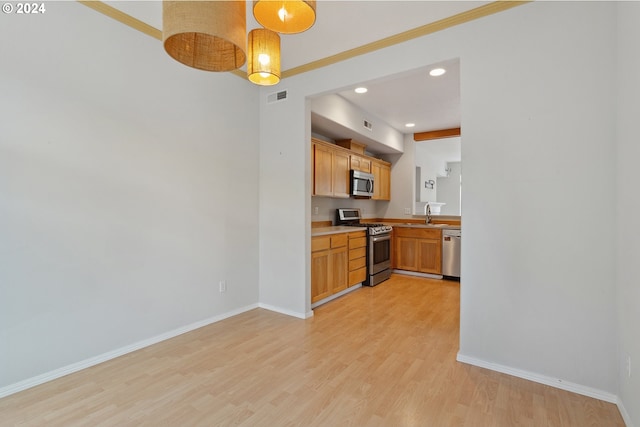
{"x":223,"y":286}
{"x":407,"y":211}
{"x":315,"y":210}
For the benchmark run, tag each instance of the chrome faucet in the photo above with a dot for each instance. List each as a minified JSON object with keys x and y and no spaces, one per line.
{"x":427,"y":213}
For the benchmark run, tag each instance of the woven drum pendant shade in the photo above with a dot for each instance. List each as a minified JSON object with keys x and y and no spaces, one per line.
{"x":285,"y":16}
{"x":263,"y":65}
{"x":207,"y":35}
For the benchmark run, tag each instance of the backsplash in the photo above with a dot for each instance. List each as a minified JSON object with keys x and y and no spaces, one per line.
{"x":326,"y":207}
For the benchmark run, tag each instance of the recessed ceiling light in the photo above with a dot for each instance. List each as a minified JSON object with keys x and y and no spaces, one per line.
{"x":410,"y":125}
{"x":437,"y":72}
{"x":361,"y":90}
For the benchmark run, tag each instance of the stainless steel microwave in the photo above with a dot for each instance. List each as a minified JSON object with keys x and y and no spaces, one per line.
{"x":361,"y":184}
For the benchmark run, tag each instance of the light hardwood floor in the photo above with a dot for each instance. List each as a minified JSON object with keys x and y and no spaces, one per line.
{"x":382,"y":356}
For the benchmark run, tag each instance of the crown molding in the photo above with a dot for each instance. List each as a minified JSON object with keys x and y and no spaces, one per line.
{"x":123,"y":18}
{"x":443,"y":24}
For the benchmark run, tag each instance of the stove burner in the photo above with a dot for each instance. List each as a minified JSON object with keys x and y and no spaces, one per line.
{"x":372,"y":228}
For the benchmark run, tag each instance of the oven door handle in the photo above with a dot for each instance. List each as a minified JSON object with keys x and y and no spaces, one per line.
{"x":380,"y":238}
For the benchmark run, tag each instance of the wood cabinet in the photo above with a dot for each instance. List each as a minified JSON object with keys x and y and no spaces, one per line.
{"x":330,"y":171}
{"x":329,"y":265}
{"x":417,"y":249}
{"x":323,"y":170}
{"x":360,"y":163}
{"x":357,"y":257}
{"x":381,"y":171}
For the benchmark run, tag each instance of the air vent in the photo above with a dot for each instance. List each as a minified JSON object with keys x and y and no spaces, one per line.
{"x":276,"y":97}
{"x":368,"y":125}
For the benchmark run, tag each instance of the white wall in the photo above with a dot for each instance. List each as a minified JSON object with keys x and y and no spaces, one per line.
{"x":285,"y":214}
{"x":127,"y":191}
{"x":327,"y":207}
{"x":628,"y":205}
{"x":429,"y":168}
{"x":338,"y":110}
{"x":542,"y":299}
{"x":403,"y":191}
{"x":432,"y":156}
{"x":448,"y":189}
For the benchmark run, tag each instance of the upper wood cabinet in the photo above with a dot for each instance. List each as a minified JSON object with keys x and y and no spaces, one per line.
{"x":323,"y":170}
{"x":330,"y":171}
{"x":360,"y":163}
{"x":381,"y":171}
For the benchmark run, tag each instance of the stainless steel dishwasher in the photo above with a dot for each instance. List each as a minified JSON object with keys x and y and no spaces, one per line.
{"x":451,"y":253}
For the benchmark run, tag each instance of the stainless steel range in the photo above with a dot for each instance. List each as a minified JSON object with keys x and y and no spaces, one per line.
{"x":378,"y":245}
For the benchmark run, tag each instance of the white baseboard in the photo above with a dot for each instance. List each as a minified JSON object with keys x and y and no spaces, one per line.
{"x":418,"y":274}
{"x":286,"y":311}
{"x":542,"y":379}
{"x":87,"y":363}
{"x":336,"y":295}
{"x":625,"y":415}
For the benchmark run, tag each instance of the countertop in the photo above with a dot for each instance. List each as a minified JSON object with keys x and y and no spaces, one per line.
{"x":414,"y":225}
{"x":322,"y":231}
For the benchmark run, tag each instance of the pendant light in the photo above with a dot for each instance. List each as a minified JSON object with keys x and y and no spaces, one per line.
{"x":263,"y":65}
{"x":285,"y":16}
{"x":207,"y":35}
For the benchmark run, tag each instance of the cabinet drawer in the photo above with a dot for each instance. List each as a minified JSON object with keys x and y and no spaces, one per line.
{"x":357,"y":276}
{"x":320,"y":243}
{"x":418,"y":233}
{"x":358,"y":242}
{"x":357,"y":253}
{"x":357,"y":234}
{"x":339,"y":240}
{"x":331,"y":241}
{"x":355,"y":264}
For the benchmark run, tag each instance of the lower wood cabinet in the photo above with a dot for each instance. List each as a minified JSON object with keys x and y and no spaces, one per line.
{"x":329,"y":265}
{"x":357,"y":257}
{"x":417,"y":249}
{"x":338,"y":261}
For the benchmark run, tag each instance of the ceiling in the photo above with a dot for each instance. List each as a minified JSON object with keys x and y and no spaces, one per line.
{"x":431,"y":103}
{"x":344,"y":28}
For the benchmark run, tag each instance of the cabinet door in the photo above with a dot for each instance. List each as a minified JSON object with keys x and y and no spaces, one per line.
{"x":382,"y":177}
{"x":322,"y":170}
{"x":320,"y":275}
{"x":360,"y":163}
{"x":340,"y":174}
{"x":375,"y":170}
{"x":365,"y":165}
{"x":339,"y":267}
{"x":430,"y":256}
{"x":385,"y":182}
{"x":406,"y":253}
